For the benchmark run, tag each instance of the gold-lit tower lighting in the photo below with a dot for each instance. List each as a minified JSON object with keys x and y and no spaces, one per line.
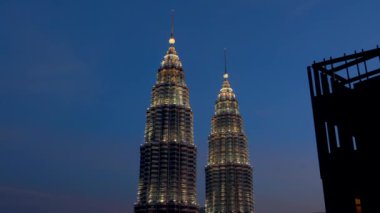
{"x":167,"y":179}
{"x":229,"y":186}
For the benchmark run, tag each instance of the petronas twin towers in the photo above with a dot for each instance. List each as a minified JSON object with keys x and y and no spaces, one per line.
{"x":167,"y":179}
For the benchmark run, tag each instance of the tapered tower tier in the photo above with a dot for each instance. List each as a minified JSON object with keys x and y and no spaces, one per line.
{"x":167,"y":180}
{"x":228,"y":172}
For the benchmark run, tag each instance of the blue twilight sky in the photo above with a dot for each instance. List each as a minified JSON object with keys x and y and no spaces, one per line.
{"x":76,"y":77}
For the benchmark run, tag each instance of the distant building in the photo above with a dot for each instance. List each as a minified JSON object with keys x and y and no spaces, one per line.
{"x":167,"y":180}
{"x":345,"y":95}
{"x":202,"y":210}
{"x":228,"y":170}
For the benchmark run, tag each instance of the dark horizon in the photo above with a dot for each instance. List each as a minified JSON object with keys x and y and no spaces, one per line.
{"x":76,"y":77}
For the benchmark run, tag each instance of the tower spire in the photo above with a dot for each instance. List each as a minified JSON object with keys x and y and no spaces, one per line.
{"x":172,"y":40}
{"x":225,"y":75}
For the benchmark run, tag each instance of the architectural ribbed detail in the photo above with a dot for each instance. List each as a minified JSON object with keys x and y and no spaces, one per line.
{"x":167,"y":180}
{"x":228,"y":172}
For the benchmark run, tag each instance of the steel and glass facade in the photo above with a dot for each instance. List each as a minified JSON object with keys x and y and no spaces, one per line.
{"x":229,"y":186}
{"x":167,"y":180}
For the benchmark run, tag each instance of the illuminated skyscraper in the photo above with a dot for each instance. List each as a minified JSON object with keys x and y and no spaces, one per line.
{"x":167,"y":180}
{"x":228,"y":172}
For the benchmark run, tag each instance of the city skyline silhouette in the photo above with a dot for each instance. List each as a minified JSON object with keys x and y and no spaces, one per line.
{"x":76,"y":78}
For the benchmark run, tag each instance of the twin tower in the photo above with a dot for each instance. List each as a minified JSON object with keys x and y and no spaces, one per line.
{"x":167,"y":179}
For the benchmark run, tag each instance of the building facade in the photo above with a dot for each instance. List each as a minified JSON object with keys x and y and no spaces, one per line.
{"x":167,"y":179}
{"x":345,"y":95}
{"x":229,"y":186}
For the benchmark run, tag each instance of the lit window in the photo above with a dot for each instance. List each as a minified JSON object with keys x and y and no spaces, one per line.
{"x":358,"y":205}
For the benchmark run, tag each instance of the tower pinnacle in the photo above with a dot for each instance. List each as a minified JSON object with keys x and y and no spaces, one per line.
{"x":225,"y":75}
{"x":172,"y":40}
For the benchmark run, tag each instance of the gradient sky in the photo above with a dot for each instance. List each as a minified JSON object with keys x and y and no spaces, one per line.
{"x":76,"y":77}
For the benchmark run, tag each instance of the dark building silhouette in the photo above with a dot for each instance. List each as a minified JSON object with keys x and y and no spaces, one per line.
{"x":345,"y":95}
{"x":228,"y":170}
{"x":202,"y":210}
{"x":167,"y":180}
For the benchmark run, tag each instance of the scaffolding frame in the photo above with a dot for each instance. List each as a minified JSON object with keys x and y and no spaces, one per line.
{"x":344,"y":94}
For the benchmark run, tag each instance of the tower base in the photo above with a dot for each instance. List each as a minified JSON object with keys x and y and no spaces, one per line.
{"x":166,"y":208}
